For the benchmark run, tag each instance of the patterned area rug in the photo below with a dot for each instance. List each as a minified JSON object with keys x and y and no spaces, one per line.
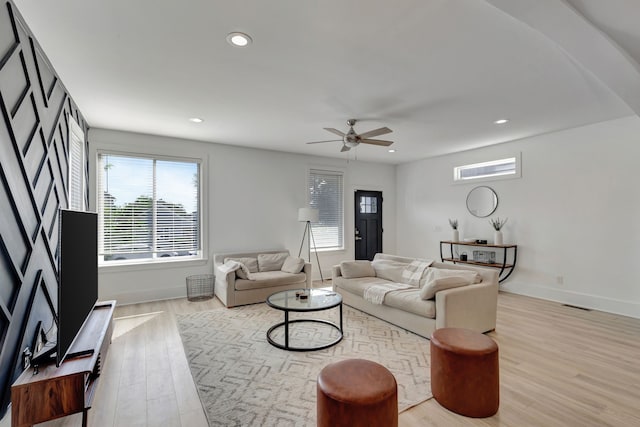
{"x":242,"y":380}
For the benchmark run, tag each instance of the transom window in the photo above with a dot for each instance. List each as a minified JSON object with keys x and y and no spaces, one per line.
{"x":326,"y":195}
{"x":494,"y":169}
{"x":149,"y":208}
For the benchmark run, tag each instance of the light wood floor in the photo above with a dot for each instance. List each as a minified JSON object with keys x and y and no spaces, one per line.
{"x":559,"y":366}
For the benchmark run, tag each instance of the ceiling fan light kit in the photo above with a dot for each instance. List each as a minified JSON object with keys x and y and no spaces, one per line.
{"x":351,"y":139}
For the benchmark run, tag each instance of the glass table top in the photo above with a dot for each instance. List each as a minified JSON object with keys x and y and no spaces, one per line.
{"x":318,"y":299}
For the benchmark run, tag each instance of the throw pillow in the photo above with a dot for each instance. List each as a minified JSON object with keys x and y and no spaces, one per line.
{"x":388,"y":269}
{"x":354,"y":269}
{"x":292,"y":265}
{"x":243,"y":272}
{"x":271,"y":262}
{"x":250,"y":263}
{"x":439,"y":279}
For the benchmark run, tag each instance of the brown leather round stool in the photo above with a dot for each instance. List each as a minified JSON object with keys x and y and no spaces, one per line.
{"x":357,"y":392}
{"x":465,"y":372}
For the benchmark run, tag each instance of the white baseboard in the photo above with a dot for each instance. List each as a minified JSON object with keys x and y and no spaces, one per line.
{"x":579,"y":299}
{"x":146,"y":295}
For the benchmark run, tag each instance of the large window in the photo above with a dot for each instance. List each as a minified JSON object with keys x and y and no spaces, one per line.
{"x":149,"y":208}
{"x":326,"y":195}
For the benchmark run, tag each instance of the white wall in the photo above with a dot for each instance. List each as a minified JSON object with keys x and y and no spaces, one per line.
{"x":574,"y":213}
{"x":253,"y":198}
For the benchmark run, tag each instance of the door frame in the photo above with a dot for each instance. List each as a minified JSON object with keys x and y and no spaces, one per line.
{"x":354,"y":213}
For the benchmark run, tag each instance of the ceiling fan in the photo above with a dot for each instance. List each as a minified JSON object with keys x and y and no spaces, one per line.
{"x":352,"y":139}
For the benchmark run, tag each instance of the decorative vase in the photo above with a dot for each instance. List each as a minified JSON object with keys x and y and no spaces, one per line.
{"x":497,"y":237}
{"x":456,"y":236}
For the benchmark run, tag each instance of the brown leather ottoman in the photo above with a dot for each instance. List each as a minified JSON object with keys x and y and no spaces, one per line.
{"x":357,"y":392}
{"x":464,"y":372}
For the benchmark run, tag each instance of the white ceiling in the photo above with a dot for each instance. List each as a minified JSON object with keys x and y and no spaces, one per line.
{"x":437,"y":72}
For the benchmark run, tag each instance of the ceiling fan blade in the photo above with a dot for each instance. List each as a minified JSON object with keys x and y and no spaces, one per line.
{"x":345,"y":148}
{"x":375,"y":132}
{"x":336,"y":131}
{"x":376,"y":142}
{"x":329,"y":140}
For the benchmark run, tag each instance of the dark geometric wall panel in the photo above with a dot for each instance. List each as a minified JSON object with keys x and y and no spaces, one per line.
{"x":13,"y":81}
{"x":50,"y":209}
{"x":10,"y":280}
{"x":34,"y":141}
{"x":46,"y":77}
{"x":18,"y":245}
{"x":43,"y":187}
{"x":25,"y":123}
{"x":8,"y":39}
{"x":35,"y":158}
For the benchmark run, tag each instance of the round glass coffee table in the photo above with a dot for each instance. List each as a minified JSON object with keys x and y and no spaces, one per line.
{"x":318,"y":300}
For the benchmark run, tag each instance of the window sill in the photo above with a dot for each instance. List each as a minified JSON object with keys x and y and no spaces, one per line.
{"x":118,"y":267}
{"x":331,"y":251}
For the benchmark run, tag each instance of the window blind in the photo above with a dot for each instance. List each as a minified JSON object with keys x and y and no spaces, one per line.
{"x":76,"y":166}
{"x":326,"y":195}
{"x":76,"y":174}
{"x":149,"y":208}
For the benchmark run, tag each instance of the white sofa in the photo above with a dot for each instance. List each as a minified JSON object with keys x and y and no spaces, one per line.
{"x":233,"y":290}
{"x":471,"y":306}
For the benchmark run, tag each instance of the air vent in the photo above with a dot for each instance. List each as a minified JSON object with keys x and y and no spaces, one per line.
{"x":575,"y":306}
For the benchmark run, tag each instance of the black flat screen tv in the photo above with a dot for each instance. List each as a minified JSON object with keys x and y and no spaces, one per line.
{"x":78,"y":276}
{"x":77,"y":284}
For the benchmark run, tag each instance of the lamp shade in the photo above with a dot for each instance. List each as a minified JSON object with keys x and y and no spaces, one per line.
{"x":307,"y":214}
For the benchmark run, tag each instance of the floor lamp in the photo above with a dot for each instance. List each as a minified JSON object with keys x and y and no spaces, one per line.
{"x":309,"y":215}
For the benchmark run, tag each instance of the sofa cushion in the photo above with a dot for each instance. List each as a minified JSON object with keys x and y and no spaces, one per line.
{"x":266,"y":279}
{"x":355,"y":269}
{"x":409,"y":300}
{"x":358,"y":285}
{"x":438,"y":279}
{"x":250,"y":263}
{"x":292,"y":265}
{"x":388,"y":269}
{"x":271,"y":262}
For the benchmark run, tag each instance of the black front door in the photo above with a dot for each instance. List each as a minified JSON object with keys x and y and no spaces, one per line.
{"x":368,"y":224}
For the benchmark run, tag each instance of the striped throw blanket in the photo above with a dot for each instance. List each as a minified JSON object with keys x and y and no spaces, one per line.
{"x":232,"y":265}
{"x":414,"y":271}
{"x":375,"y":293}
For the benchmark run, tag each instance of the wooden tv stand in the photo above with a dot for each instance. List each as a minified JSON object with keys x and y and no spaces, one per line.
{"x":56,"y":392}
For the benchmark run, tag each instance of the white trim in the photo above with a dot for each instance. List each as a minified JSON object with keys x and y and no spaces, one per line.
{"x":148,"y":155}
{"x":203,"y":208}
{"x":155,"y":264}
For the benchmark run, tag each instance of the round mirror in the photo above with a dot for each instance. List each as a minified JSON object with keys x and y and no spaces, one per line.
{"x":482,"y":201}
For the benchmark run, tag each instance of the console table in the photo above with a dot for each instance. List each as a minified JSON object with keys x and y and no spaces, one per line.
{"x":56,"y":392}
{"x":506,"y":264}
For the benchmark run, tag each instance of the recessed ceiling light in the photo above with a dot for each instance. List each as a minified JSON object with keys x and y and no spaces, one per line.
{"x":196,"y":120}
{"x":391,"y":150}
{"x":501,"y":121}
{"x":238,"y":39}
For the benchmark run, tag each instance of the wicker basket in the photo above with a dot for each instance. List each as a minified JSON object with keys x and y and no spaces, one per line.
{"x":200,"y":287}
